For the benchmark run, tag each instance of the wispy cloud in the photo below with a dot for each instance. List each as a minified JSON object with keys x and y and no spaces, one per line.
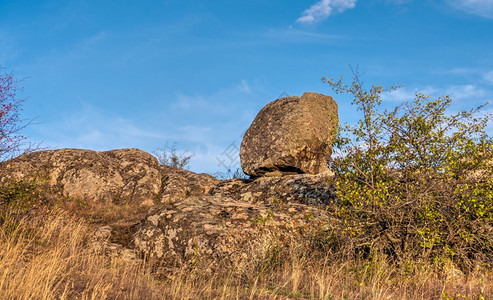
{"x":398,"y":1}
{"x":218,"y":104}
{"x":488,"y":76}
{"x":300,"y":36}
{"x":7,"y":48}
{"x":324,"y":9}
{"x":483,"y":8}
{"x":464,"y":92}
{"x":94,"y":128}
{"x":226,"y":112}
{"x":406,"y":94}
{"x":456,"y":92}
{"x":399,"y":95}
{"x":462,"y":71}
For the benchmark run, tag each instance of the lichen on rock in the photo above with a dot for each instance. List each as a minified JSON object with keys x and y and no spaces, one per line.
{"x":123,"y":176}
{"x":291,"y":135}
{"x":232,"y":222}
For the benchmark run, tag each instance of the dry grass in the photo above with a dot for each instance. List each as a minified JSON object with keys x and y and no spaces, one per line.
{"x":109,"y":212}
{"x":50,"y":256}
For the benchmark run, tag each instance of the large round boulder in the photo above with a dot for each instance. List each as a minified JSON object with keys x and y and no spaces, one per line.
{"x":291,"y":135}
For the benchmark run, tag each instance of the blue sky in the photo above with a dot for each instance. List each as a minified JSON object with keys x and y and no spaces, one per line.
{"x":116,"y":74}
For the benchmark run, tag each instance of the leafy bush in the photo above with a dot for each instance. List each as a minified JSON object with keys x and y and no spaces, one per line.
{"x":168,"y":156}
{"x":19,"y":195}
{"x":415,"y":182}
{"x":32,"y":196}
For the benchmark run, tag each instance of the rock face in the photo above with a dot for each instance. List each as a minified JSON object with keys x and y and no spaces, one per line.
{"x":194,"y":217}
{"x":291,"y":135}
{"x":121,"y":176}
{"x":236,"y":220}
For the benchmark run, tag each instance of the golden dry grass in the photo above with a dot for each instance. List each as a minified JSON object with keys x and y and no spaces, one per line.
{"x":50,"y":256}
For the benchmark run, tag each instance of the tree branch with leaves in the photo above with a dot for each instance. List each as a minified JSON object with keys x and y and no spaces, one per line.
{"x":415,"y":180}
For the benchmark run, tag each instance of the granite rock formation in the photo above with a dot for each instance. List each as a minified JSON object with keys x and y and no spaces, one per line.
{"x":291,"y":135}
{"x":124,"y":176}
{"x":236,"y":220}
{"x":195,"y":217}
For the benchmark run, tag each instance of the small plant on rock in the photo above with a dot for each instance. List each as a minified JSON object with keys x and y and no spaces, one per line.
{"x":168,"y":156}
{"x":230,"y":174}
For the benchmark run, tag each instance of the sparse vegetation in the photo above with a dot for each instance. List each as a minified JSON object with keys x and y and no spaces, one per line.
{"x":12,"y":142}
{"x":413,"y":220}
{"x":51,"y":255}
{"x":230,"y":174}
{"x":168,"y":156}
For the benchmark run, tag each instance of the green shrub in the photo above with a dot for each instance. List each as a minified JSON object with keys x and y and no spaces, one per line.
{"x":31,"y":196}
{"x":19,"y":194}
{"x":415,"y":181}
{"x":19,"y":199}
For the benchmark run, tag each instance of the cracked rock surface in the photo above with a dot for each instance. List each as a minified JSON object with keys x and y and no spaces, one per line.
{"x":123,"y":176}
{"x":291,"y":135}
{"x":184,"y":217}
{"x":235,"y":219}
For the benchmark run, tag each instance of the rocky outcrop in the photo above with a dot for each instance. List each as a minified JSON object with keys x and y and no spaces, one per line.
{"x":195,"y":218}
{"x":313,"y":190}
{"x":121,"y":176}
{"x":291,"y":135}
{"x":236,"y":220}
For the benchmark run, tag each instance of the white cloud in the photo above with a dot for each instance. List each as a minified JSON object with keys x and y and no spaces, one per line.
{"x":245,"y":87}
{"x":483,"y":8}
{"x":398,"y":1}
{"x":294,"y":35}
{"x":488,"y":76}
{"x":456,"y":92}
{"x":468,"y":91}
{"x":227,"y":113}
{"x":462,"y":71}
{"x":399,"y":95}
{"x":323,"y":9}
{"x":405,"y":94}
{"x":216,"y":104}
{"x":9,"y":49}
{"x":91,"y":127}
